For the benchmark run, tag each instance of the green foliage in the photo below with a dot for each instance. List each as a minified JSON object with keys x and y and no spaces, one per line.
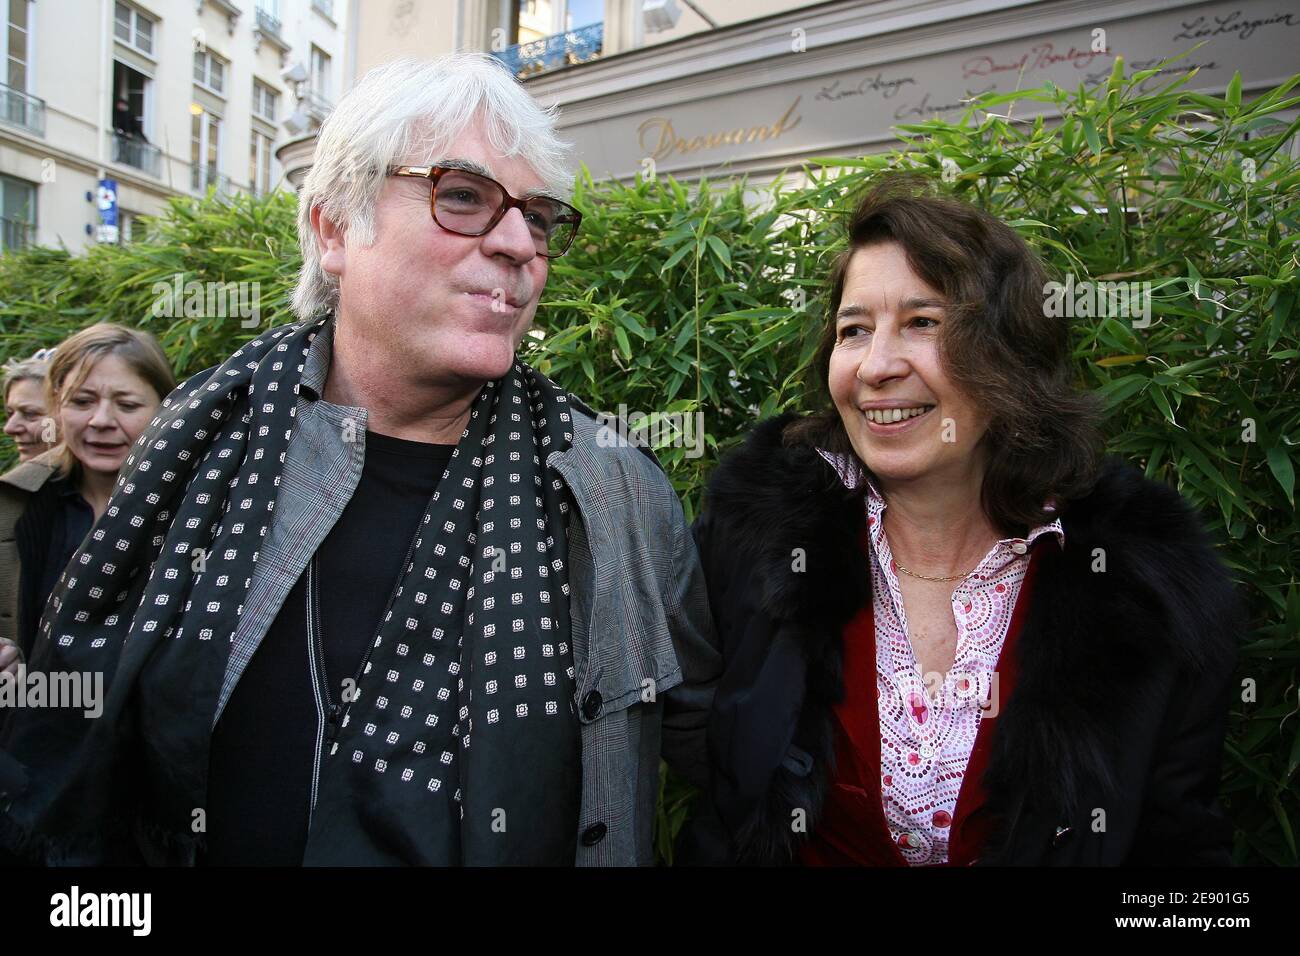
{"x":677,"y":301}
{"x":709,"y":299}
{"x":47,"y":294}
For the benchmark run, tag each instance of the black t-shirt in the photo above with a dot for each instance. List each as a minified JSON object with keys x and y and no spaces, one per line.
{"x":264,"y":747}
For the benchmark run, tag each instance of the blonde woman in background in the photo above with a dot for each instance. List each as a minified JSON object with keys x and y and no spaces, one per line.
{"x":103,"y":387}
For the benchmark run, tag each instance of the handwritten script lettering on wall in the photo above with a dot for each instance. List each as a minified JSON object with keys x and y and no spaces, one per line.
{"x":659,"y":140}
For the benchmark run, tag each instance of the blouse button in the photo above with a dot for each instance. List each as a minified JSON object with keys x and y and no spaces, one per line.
{"x":1019,"y":547}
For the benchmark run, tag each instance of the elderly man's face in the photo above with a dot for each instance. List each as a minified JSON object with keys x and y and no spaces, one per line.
{"x":444,"y":308}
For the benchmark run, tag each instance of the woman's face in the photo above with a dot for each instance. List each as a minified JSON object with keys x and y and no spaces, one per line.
{"x":103,"y":417}
{"x":25,"y":419}
{"x":904,"y":416}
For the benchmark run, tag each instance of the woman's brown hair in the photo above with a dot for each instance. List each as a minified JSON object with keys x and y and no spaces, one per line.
{"x":998,"y":345}
{"x":78,"y":355}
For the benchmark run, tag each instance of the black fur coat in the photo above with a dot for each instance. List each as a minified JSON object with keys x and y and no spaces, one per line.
{"x":1108,"y":749}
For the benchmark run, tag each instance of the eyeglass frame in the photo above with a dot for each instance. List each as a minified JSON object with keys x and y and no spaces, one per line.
{"x":434,"y":173}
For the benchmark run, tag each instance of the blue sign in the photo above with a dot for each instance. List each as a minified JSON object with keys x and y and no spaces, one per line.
{"x":106,"y":199}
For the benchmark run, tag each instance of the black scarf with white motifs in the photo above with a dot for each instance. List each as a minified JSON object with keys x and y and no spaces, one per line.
{"x":460,"y":743}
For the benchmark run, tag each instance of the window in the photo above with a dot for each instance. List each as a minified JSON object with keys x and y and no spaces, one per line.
{"x":264,"y":101}
{"x":209,"y":70}
{"x":132,"y":88}
{"x":538,"y":19}
{"x":583,"y":13}
{"x":131,"y":108}
{"x":133,"y":28}
{"x":17,"y":213}
{"x":320,"y":72}
{"x":205,"y":147}
{"x":18,"y":45}
{"x":259,"y":163}
{"x":127,"y":224}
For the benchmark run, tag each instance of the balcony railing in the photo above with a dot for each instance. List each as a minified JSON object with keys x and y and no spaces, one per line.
{"x":324,"y":6}
{"x":201,"y":177}
{"x":22,"y":109}
{"x":267,"y":23}
{"x":267,"y":26}
{"x":131,"y":151}
{"x":15,"y":233}
{"x":553,"y":52}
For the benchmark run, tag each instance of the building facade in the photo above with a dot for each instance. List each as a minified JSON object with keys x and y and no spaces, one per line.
{"x":756,"y":87}
{"x":173,"y":97}
{"x":112,"y":106}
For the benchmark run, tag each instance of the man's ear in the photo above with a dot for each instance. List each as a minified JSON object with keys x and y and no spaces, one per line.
{"x":330,"y":240}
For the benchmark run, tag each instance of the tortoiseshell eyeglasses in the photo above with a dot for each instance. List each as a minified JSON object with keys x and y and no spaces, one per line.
{"x":471,"y":205}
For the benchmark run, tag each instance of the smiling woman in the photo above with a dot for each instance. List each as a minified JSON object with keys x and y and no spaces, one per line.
{"x":103,"y":386}
{"x":951,"y":634}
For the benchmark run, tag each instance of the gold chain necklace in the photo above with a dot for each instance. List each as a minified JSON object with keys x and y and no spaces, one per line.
{"x":926,"y":577}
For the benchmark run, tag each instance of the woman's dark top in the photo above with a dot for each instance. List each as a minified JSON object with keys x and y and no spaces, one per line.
{"x":55,"y":522}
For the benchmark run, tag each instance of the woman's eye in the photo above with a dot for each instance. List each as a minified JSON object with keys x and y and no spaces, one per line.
{"x":127,"y":407}
{"x":921,"y":318}
{"x":851,"y":330}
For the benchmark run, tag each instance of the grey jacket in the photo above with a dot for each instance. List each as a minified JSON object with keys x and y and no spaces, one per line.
{"x":644,"y":648}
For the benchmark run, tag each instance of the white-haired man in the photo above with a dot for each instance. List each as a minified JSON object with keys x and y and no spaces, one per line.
{"x":388,"y":597}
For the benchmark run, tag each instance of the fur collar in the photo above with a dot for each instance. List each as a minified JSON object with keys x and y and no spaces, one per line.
{"x":1090,"y":647}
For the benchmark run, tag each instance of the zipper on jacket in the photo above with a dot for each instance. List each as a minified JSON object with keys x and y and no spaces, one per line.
{"x":326,"y":709}
{"x":336,"y":715}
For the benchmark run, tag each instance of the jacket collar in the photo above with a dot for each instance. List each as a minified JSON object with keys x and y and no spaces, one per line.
{"x":316,"y":364}
{"x":855,"y":476}
{"x":31,"y":475}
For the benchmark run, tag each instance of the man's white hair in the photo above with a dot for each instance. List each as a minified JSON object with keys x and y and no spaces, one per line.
{"x":411,"y":112}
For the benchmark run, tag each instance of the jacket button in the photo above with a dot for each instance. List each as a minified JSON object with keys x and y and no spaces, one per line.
{"x":591,"y":705}
{"x":594,"y":834}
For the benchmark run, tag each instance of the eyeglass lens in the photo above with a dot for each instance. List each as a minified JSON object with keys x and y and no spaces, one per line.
{"x":465,"y":202}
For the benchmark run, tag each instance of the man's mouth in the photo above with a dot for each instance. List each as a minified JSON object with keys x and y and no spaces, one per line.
{"x":497,"y":300}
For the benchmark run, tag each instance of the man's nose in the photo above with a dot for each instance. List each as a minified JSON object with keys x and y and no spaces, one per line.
{"x":11,"y":425}
{"x":511,"y":237}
